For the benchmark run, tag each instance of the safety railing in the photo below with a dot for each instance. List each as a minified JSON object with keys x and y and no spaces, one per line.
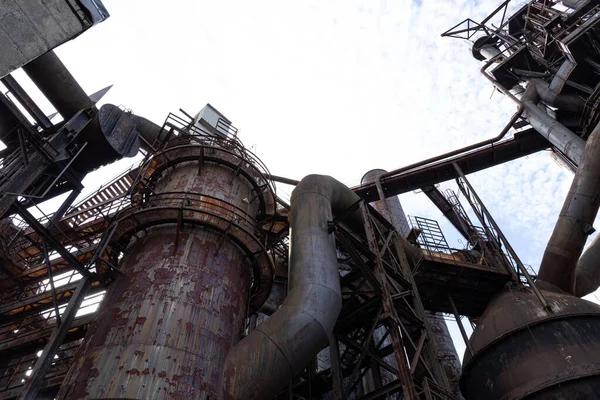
{"x":177,"y":130}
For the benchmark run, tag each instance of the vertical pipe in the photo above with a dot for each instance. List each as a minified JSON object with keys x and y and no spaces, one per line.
{"x":267,"y":359}
{"x":574,"y":225}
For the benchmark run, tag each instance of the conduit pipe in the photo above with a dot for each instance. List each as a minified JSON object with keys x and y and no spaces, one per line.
{"x":457,"y":152}
{"x":475,"y":146}
{"x":556,"y":133}
{"x":262,"y":363}
{"x":560,"y":265}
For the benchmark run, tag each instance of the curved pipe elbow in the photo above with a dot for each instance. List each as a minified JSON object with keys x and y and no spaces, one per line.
{"x":538,"y":89}
{"x":262,"y":363}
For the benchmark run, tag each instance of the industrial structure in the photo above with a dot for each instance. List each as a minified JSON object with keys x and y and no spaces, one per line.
{"x":214,"y":287}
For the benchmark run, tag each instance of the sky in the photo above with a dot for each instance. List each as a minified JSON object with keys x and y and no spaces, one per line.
{"x":335,"y":88}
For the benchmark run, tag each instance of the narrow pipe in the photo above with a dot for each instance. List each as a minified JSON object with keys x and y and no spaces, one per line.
{"x":262,"y":363}
{"x":560,"y":266}
{"x":462,"y":150}
{"x":281,"y":179}
{"x":460,"y":326}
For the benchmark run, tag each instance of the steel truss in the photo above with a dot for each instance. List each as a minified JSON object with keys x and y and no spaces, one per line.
{"x":382,"y":345}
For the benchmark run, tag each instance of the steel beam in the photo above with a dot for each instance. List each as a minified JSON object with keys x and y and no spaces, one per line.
{"x":55,"y":244}
{"x":523,"y":144}
{"x":45,"y":360}
{"x":27,"y":102}
{"x":389,"y":310}
{"x":36,"y":298}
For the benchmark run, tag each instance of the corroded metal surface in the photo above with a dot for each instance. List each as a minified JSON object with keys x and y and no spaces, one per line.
{"x":219,"y":191}
{"x":521,"y":349}
{"x":229,"y":158}
{"x":119,"y":129}
{"x":56,"y":83}
{"x":193,"y":256}
{"x":166,"y":326}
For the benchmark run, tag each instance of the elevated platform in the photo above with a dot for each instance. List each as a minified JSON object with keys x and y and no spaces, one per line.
{"x":471,"y":286}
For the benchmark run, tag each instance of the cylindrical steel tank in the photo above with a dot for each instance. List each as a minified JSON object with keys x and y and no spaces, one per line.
{"x":192,"y":268}
{"x":445,"y":346}
{"x":521,"y":350}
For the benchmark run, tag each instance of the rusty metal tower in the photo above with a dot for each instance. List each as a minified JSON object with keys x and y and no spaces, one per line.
{"x":214,"y":287}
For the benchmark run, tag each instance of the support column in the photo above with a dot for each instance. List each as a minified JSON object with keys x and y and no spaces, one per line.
{"x":393,"y":212}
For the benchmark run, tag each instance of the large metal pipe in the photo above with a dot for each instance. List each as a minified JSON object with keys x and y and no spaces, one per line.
{"x":565,"y":102}
{"x":392,"y":209}
{"x":108,"y":136}
{"x":58,"y":85}
{"x":574,"y":225}
{"x":556,"y":133}
{"x":270,"y":356}
{"x":587,"y":270}
{"x":560,"y":136}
